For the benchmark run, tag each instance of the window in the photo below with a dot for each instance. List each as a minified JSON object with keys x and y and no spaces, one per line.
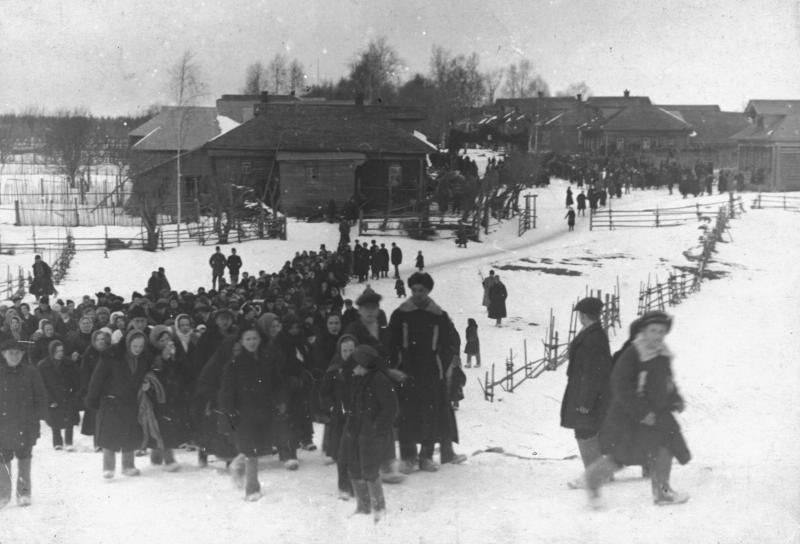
{"x":645,"y":143}
{"x":312,"y":174}
{"x":246,"y":167}
{"x":395,"y":175}
{"x":189,"y":188}
{"x":620,"y":144}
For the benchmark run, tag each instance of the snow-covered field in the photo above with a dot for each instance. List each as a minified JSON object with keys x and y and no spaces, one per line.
{"x":734,"y":342}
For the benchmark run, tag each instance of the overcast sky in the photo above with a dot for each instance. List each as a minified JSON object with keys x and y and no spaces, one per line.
{"x":111,"y":55}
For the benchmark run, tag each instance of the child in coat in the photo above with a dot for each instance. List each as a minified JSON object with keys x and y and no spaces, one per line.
{"x":368,"y":429}
{"x":335,"y":395}
{"x":456,"y":381}
{"x":61,"y":379}
{"x":472,"y":348}
{"x":400,"y":288}
{"x":23,"y":402}
{"x":570,"y":217}
{"x":420,"y":261}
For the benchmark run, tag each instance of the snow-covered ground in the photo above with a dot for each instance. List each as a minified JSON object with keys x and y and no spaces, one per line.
{"x":734,"y":343}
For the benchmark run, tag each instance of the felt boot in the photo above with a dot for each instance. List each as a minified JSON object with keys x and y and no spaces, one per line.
{"x":5,"y":483}
{"x":362,"y":496}
{"x":24,"y":482}
{"x":377,"y":500}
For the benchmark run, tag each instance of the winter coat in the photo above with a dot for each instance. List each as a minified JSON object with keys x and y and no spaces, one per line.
{"x":174,"y":415}
{"x":62,"y":382}
{"x":423,"y":343}
{"x":473,"y":343}
{"x":89,"y":361}
{"x":213,"y":427}
{"x":497,"y":300}
{"x":588,"y":375}
{"x":234,"y":263}
{"x":487,"y":283}
{"x":362,"y":334}
{"x":335,"y":394}
{"x":638,"y":388}
{"x":581,"y":198}
{"x":369,"y":424}
{"x":247,"y":397}
{"x":113,"y":392}
{"x":420,"y":263}
{"x":23,"y":402}
{"x":397,"y":256}
{"x":218,"y":263}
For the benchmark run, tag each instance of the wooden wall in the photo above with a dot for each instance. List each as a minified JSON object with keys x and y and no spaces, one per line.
{"x":304,"y":185}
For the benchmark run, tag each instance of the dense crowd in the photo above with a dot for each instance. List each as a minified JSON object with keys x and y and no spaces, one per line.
{"x":238,"y":372}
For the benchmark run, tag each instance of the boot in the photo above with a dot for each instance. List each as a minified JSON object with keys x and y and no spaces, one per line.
{"x":128,"y":468}
{"x":377,"y":501}
{"x":109,"y":463}
{"x":660,"y":469}
{"x":238,"y":471}
{"x":24,"y":482}
{"x":391,"y":474}
{"x":664,"y":495}
{"x":589,"y":450}
{"x":362,"y":496}
{"x":596,"y":474}
{"x":5,"y":483}
{"x":252,"y":487}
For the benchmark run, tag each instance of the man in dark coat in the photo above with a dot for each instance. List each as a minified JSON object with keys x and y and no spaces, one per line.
{"x":397,"y":259}
{"x":423,"y":343}
{"x":581,"y":199}
{"x":587,"y":394}
{"x":218,"y":264}
{"x":61,"y":379}
{"x":497,"y":300}
{"x":23,"y":402}
{"x":42,"y":278}
{"x":234,"y":264}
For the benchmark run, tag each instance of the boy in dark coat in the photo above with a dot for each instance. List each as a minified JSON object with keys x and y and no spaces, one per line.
{"x":397,"y":259}
{"x":587,"y":394}
{"x":400,"y":288}
{"x":570,"y":217}
{"x":420,"y":264}
{"x":217,"y":262}
{"x":640,"y":428}
{"x":368,"y":428}
{"x":23,"y":402}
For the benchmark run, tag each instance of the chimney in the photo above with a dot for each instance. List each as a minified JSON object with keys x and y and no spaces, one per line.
{"x":626,"y":93}
{"x":579,"y":96}
{"x":264,"y":97}
{"x":291,"y":93}
{"x":540,"y":94}
{"x":359,"y":99}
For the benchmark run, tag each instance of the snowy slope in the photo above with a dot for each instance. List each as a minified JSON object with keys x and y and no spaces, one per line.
{"x":734,"y":343}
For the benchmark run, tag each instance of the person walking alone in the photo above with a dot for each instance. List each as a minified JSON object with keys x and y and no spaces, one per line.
{"x":234,"y":263}
{"x":218,"y":264}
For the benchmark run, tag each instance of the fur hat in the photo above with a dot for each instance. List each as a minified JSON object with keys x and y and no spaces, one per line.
{"x":648,"y":318}
{"x":136,"y":311}
{"x":590,"y":306}
{"x":421,"y":278}
{"x":366,"y":356}
{"x":156,"y":332}
{"x":369,"y":296}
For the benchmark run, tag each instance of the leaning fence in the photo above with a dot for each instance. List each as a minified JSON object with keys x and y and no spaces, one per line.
{"x":659,"y":217}
{"x":784,"y":202}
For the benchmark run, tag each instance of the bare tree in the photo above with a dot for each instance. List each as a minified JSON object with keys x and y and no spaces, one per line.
{"x":277,"y":73}
{"x":375,"y":70}
{"x":297,"y":76}
{"x":255,"y":79}
{"x":6,"y":140}
{"x":492,"y":79}
{"x":458,"y":83}
{"x":72,"y":142}
{"x":522,"y":81}
{"x":187,"y":87}
{"x":574,"y":89}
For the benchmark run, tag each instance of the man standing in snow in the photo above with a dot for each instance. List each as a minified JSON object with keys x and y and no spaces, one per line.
{"x":397,"y":259}
{"x":234,"y":264}
{"x":218,"y":264}
{"x":587,"y":394}
{"x":423,"y":344}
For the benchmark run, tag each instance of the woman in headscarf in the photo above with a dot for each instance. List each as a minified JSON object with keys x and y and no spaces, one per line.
{"x":640,"y":428}
{"x":62,"y":382}
{"x":113,"y":391}
{"x":101,"y":341}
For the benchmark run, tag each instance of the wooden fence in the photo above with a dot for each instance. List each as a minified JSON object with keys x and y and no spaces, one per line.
{"x":784,"y":202}
{"x":658,"y":217}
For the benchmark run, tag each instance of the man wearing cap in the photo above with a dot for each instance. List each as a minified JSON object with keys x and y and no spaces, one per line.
{"x":23,"y":402}
{"x":218,"y":264}
{"x":234,"y":263}
{"x":587,"y":395}
{"x":423,"y":343}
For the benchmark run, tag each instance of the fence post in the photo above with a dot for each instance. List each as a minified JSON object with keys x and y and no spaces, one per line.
{"x":33,"y":228}
{"x":17,"y":218}
{"x":106,"y":242}
{"x":77,"y":216}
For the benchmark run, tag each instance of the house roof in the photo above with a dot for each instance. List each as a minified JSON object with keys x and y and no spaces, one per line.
{"x":641,"y":118}
{"x":530,"y":104}
{"x":772,"y":107}
{"x":690,"y":107}
{"x":163,"y":132}
{"x":320,"y":127}
{"x":785,"y":128}
{"x":713,"y":126}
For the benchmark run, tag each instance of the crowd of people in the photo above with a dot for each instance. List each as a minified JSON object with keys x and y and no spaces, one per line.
{"x":238,"y":372}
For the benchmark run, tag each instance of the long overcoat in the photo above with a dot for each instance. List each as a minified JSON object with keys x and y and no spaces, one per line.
{"x":638,"y":388}
{"x":62,"y":382}
{"x":248,"y":397}
{"x":588,"y":376}
{"x":23,"y":402}
{"x":113,"y":392}
{"x":497,"y":300}
{"x":423,"y":343}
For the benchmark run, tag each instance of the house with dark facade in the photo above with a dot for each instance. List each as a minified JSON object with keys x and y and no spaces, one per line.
{"x":769,"y":147}
{"x":300,"y":155}
{"x":712,"y":128}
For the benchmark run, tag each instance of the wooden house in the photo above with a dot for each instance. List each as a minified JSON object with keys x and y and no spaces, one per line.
{"x":769,"y":147}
